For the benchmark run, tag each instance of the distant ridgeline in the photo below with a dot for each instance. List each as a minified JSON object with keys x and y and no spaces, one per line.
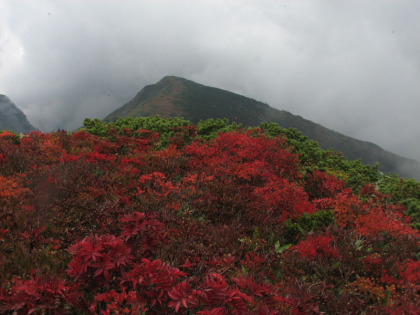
{"x":12,"y":118}
{"x":177,"y":97}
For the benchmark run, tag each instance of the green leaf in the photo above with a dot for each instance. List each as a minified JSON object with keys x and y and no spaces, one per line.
{"x":278,"y":249}
{"x":244,"y":271}
{"x":301,"y":229}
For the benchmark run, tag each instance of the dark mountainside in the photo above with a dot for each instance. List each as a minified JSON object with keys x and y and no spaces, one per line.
{"x":173,"y":96}
{"x":12,"y":118}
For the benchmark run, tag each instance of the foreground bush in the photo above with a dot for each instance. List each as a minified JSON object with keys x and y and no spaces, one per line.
{"x":129,"y":221}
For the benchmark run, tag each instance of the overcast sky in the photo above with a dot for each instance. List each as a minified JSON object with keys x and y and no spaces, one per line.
{"x":352,"y":66}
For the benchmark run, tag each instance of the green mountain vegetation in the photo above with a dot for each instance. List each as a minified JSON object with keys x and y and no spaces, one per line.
{"x":177,"y":97}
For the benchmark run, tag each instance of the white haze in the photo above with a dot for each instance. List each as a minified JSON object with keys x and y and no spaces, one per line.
{"x":352,"y":66}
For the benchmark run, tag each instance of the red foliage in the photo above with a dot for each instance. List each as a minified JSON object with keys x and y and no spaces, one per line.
{"x":198,"y":227}
{"x":143,"y":232}
{"x":314,"y":246}
{"x":152,"y":280}
{"x":411,"y":272}
{"x":320,"y":185}
{"x":244,"y":157}
{"x":281,"y":200}
{"x":28,"y":296}
{"x":98,"y":257}
{"x":215,"y":293}
{"x":375,"y":220}
{"x":181,"y":296}
{"x":113,"y":302}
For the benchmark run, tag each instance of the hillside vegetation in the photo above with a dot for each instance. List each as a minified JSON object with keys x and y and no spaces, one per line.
{"x":174,"y":97}
{"x":158,"y":216}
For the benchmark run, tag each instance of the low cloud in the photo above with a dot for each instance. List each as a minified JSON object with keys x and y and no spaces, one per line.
{"x":353,"y":66}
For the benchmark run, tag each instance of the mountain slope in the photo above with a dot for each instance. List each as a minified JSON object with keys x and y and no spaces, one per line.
{"x":173,"y":96}
{"x":12,"y":118}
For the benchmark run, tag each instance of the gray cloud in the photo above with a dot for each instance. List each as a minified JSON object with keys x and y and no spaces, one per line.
{"x":353,"y":66}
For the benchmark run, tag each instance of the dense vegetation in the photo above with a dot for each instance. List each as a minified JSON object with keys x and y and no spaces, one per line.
{"x":157,"y":216}
{"x":193,"y":101}
{"x":177,"y":97}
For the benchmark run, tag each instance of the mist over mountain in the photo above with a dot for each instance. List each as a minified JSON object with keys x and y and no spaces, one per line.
{"x":12,"y":118}
{"x":174,"y":96}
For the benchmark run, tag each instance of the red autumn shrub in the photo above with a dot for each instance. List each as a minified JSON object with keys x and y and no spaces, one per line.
{"x":48,"y":294}
{"x":142,"y":232}
{"x":411,"y":272}
{"x":280,"y":200}
{"x":113,"y":302}
{"x":320,"y":185}
{"x":319,"y":245}
{"x":152,"y":280}
{"x":121,"y":224}
{"x":98,"y":257}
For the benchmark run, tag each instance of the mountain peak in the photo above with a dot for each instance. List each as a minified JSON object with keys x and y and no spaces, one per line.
{"x":178,"y":97}
{"x":171,"y":78}
{"x":4,"y":99}
{"x":174,"y":96}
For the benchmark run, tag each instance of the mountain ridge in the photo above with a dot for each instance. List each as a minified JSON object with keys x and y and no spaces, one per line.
{"x":12,"y":118}
{"x":174,"y":96}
